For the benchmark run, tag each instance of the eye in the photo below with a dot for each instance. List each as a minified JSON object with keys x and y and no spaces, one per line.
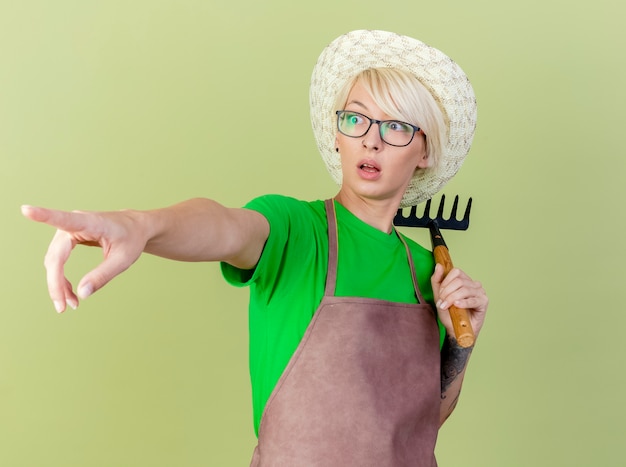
{"x":399,"y":127}
{"x":352,"y":118}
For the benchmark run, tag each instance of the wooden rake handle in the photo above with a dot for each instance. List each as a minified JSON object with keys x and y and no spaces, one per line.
{"x":460,"y":316}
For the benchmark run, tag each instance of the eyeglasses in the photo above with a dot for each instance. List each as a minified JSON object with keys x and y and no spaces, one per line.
{"x":392,"y":132}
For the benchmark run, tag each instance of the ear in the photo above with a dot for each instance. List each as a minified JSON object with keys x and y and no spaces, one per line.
{"x":423,"y":161}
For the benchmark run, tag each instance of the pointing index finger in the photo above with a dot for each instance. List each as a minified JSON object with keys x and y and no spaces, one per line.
{"x":62,"y":220}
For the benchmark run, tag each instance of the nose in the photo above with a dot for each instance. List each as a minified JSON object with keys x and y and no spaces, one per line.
{"x":372,"y":139}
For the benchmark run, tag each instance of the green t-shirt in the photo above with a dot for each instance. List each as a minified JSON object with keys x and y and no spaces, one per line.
{"x":287,"y":285}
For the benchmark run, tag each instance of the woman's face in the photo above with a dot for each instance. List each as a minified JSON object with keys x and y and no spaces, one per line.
{"x":373,"y":169}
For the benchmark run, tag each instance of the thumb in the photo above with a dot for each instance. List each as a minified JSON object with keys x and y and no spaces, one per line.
{"x":436,"y":279}
{"x":102,"y":274}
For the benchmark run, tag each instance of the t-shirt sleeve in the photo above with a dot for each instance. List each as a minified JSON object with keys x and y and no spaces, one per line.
{"x":276,"y":209}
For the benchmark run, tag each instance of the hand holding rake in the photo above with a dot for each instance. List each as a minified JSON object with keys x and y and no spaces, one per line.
{"x":459,"y":316}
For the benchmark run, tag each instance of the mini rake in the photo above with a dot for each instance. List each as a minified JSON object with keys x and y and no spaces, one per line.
{"x":460,"y":317}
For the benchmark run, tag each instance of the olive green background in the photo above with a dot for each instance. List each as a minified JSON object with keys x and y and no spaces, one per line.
{"x":116,"y":104}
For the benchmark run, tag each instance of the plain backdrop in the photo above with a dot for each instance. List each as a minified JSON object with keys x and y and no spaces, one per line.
{"x":143,"y":103}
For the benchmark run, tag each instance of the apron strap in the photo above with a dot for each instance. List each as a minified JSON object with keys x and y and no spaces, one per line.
{"x":409,"y":256}
{"x":331,"y":276}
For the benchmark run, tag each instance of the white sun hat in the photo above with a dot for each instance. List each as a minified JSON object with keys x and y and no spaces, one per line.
{"x":356,"y":51}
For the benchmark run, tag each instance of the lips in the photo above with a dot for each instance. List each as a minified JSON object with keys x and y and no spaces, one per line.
{"x":369,"y":165}
{"x":369,"y":168}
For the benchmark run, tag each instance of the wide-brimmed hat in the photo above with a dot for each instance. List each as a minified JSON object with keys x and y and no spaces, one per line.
{"x":356,"y":51}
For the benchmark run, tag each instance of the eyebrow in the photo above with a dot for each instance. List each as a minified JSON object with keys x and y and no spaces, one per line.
{"x":359,"y":103}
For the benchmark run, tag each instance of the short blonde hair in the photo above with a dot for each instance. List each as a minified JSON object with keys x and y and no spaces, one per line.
{"x":402,"y":96}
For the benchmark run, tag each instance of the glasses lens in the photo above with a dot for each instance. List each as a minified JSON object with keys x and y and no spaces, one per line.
{"x":352,"y":123}
{"x":396,"y":133}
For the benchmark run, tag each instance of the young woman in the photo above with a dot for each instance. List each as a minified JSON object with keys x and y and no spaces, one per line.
{"x":353,"y":358}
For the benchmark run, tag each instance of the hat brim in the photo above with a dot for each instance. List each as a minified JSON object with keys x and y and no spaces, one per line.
{"x":359,"y":50}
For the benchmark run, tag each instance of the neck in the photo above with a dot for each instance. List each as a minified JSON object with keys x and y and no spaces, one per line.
{"x":377,"y":213}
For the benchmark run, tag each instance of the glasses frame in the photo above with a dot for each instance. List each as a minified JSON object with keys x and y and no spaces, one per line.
{"x":416,"y":129}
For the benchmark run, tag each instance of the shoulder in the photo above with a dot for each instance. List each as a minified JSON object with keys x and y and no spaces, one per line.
{"x":418,"y":251}
{"x":297,"y":228}
{"x":286,"y":209}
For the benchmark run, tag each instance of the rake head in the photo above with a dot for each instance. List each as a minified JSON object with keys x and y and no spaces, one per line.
{"x":451,"y":223}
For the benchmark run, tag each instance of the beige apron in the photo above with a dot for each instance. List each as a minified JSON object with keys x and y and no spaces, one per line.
{"x":363,"y":387}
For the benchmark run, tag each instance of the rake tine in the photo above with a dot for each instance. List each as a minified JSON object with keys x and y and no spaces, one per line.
{"x":467,"y":211}
{"x":426,"y":210}
{"x":440,"y":210}
{"x":455,"y":205}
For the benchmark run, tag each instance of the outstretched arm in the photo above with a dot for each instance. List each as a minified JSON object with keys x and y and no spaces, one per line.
{"x":460,"y":290}
{"x":194,"y":230}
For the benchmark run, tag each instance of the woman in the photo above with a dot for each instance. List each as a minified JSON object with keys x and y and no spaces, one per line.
{"x":350,"y":363}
